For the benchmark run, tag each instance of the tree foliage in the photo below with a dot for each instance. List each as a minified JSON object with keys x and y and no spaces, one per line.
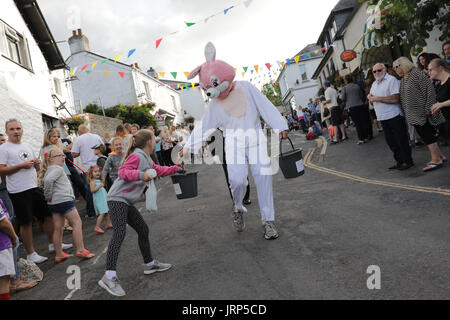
{"x":273,"y":93}
{"x":94,"y":109}
{"x":416,"y":18}
{"x":139,"y":114}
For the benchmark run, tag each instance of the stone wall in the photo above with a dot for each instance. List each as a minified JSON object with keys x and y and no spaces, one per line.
{"x":99,"y":124}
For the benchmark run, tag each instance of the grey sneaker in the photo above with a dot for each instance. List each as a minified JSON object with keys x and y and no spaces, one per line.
{"x":112,"y":286}
{"x":156,"y":267}
{"x":269,"y":231}
{"x":238,"y":220}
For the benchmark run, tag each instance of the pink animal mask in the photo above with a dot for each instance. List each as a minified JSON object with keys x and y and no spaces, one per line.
{"x":216,"y":76}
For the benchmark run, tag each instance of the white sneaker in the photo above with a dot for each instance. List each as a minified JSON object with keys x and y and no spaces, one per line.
{"x":36,"y":258}
{"x":51,"y":247}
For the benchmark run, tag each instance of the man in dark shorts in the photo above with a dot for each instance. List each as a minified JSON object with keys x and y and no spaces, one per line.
{"x":19,"y":164}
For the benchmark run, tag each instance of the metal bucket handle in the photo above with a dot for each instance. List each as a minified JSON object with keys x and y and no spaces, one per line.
{"x":292,"y":145}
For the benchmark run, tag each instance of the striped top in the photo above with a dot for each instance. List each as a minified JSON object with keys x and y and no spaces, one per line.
{"x":417,"y":96}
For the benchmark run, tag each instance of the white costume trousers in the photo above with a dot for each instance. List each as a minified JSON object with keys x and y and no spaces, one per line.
{"x":238,"y":160}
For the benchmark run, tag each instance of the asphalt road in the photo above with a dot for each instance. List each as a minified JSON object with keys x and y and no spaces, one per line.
{"x":332,"y":228}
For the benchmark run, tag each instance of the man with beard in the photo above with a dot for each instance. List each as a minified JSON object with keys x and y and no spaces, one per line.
{"x":385,"y":97}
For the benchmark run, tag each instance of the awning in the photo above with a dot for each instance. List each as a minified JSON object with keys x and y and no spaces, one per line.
{"x":374,"y":50}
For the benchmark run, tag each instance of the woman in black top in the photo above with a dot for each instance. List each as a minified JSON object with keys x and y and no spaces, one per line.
{"x":439,"y":70}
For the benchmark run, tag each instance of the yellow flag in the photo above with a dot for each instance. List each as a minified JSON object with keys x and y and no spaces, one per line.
{"x":162,"y":74}
{"x":282,"y":64}
{"x":117,"y":57}
{"x":186,"y":74}
{"x":178,"y":86}
{"x":256,"y":68}
{"x":297,"y":58}
{"x":243,"y":74}
{"x":193,"y":85}
{"x":107,"y":73}
{"x":93,"y":65}
{"x":72,"y":72}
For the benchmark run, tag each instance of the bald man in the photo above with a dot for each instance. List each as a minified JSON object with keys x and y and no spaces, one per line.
{"x":82,"y":148}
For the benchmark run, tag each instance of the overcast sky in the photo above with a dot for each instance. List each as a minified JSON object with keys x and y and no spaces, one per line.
{"x":266,"y":31}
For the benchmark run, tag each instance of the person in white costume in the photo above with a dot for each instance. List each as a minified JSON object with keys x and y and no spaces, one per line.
{"x":236,"y":106}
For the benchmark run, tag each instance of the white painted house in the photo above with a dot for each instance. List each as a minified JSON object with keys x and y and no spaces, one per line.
{"x":109,"y":83}
{"x":295,"y":79}
{"x":193,"y":102}
{"x":33,"y":80}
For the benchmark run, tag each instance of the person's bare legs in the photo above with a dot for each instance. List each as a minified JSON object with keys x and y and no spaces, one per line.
{"x":342,"y":128}
{"x":4,"y":284}
{"x":99,"y":221}
{"x":336,"y":134}
{"x":26,"y":235}
{"x":436,"y":154}
{"x":108,"y":221}
{"x":77,"y":226}
{"x":48,"y":228}
{"x":58,"y":222}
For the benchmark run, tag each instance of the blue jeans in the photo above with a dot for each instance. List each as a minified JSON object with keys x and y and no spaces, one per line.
{"x":90,"y":211}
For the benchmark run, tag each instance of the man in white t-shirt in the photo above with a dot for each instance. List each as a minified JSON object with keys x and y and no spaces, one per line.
{"x":82,"y":147}
{"x":19,"y":164}
{"x":331,"y":96}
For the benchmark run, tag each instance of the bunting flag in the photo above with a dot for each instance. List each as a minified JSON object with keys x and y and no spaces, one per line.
{"x":189,"y":24}
{"x":131,"y":52}
{"x":72,"y":72}
{"x":106,"y":73}
{"x":245,"y":69}
{"x":256,"y":68}
{"x":82,"y":69}
{"x":174,"y":75}
{"x":297,"y":58}
{"x":282,"y":64}
{"x":243,"y":74}
{"x":162,"y":74}
{"x":193,"y":85}
{"x":122,"y":74}
{"x":199,"y":89}
{"x":104,"y":61}
{"x":186,"y":74}
{"x":117,"y":57}
{"x":228,"y":9}
{"x":268,"y":66}
{"x":93,"y":65}
{"x":288,"y":61}
{"x":158,"y":42}
{"x":88,"y":71}
{"x":178,"y":86}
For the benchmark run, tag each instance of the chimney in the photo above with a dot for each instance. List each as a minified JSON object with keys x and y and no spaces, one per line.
{"x":78,"y":42}
{"x":136,"y":65}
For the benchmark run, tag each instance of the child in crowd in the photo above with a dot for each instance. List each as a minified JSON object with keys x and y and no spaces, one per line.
{"x":99,"y":151}
{"x":8,"y":241}
{"x":313,"y":131}
{"x":99,"y":194}
{"x":61,"y":201}
{"x":133,"y":178}
{"x":113,"y":161}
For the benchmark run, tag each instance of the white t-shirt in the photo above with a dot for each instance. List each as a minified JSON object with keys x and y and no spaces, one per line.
{"x":12,"y":154}
{"x":332,"y":95}
{"x":83,"y":145}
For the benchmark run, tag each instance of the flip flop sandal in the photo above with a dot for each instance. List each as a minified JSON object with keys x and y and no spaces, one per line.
{"x":432,"y":166}
{"x":86,"y":254}
{"x":63,"y":257}
{"x":22,"y":285}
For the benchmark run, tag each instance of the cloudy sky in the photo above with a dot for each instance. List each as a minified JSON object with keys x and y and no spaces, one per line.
{"x":266,"y":31}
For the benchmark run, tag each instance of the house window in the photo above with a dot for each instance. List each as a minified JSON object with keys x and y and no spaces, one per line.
{"x":147,"y":90}
{"x":303,"y":72}
{"x":320,"y":80}
{"x":333,"y":68}
{"x":286,"y":83}
{"x":333,"y":29}
{"x":174,"y":103}
{"x":328,"y":70}
{"x":16,"y":46}
{"x":57,"y":86}
{"x":49,"y":122}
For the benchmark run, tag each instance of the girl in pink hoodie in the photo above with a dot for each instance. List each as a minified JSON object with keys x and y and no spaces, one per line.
{"x":122,"y":196}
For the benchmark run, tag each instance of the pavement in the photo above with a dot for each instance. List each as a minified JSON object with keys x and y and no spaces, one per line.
{"x":345,"y":214}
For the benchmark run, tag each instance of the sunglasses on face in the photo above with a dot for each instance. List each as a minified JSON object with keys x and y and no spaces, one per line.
{"x":379,"y":70}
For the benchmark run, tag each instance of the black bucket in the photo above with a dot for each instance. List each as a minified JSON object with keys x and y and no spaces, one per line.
{"x":291,"y":163}
{"x":185,"y":185}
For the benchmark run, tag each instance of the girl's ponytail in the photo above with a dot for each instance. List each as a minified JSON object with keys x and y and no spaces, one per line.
{"x":45,"y":163}
{"x":139,"y":140}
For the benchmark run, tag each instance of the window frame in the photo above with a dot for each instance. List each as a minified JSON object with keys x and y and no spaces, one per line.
{"x":10,"y":37}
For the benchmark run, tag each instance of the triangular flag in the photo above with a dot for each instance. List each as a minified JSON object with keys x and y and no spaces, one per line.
{"x":93,"y":65}
{"x":122,"y":74}
{"x":282,"y":64}
{"x":251,"y":71}
{"x":172,"y":85}
{"x":117,"y":57}
{"x":178,"y":86}
{"x":245,"y":69}
{"x":206,"y":19}
{"x":174,"y":75}
{"x":268,"y":66}
{"x":107,"y":73}
{"x":189,"y":23}
{"x":297,"y":59}
{"x":82,"y":69}
{"x":288,"y":61}
{"x":247,"y":3}
{"x":131,"y":52}
{"x":199,"y":89}
{"x":88,"y":71}
{"x":72,"y":72}
{"x":243,"y":74}
{"x":103,"y":61}
{"x":193,"y":85}
{"x":162,"y":74}
{"x":228,"y":9}
{"x":256,"y":67}
{"x":235,"y":69}
{"x":186,"y":74}
{"x":158,"y":42}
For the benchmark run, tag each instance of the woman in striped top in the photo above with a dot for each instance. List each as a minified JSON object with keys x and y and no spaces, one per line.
{"x":417,"y":96}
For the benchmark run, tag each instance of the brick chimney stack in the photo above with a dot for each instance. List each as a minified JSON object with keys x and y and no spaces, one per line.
{"x":78,"y":42}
